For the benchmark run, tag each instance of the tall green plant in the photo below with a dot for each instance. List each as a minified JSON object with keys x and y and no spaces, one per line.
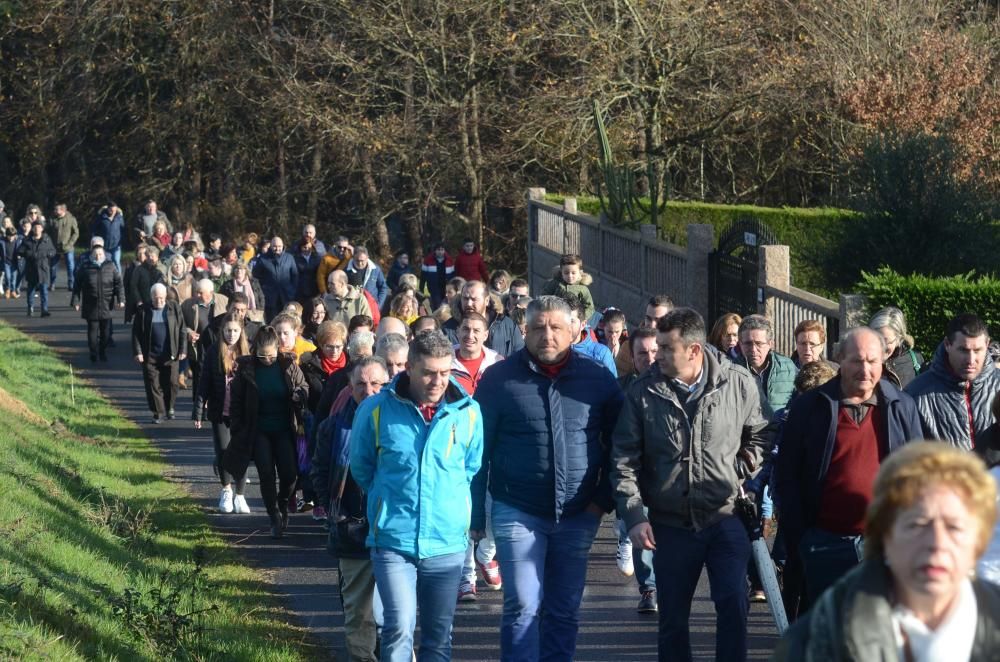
{"x":623,"y":205}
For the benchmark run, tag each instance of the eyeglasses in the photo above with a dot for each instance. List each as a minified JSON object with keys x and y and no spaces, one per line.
{"x":810,"y":345}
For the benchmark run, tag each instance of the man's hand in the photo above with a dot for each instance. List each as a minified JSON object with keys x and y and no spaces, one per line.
{"x":197,"y":425}
{"x":641,"y":536}
{"x":76,"y":308}
{"x":138,"y":358}
{"x":121,"y":304}
{"x":744,"y":464}
{"x":182,"y":357}
{"x":193,"y":335}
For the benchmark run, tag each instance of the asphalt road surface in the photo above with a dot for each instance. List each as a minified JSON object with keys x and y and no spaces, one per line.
{"x":298,"y":567}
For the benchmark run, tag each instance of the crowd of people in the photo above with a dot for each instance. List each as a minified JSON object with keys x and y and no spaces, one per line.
{"x":457,"y":432}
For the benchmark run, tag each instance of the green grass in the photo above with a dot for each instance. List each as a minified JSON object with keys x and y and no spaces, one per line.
{"x":101,"y":557}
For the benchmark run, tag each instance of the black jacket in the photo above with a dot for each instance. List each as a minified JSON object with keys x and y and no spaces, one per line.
{"x":211,"y":395}
{"x":100,"y":289}
{"x":243,"y":408}
{"x":807,"y":442}
{"x":227,"y":289}
{"x":142,"y":279}
{"x":142,"y":331}
{"x":37,"y":254}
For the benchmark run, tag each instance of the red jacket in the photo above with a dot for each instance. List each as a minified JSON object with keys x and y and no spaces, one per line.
{"x":471,"y":266}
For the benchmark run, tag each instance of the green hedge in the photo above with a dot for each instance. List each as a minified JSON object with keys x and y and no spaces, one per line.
{"x":813,"y":235}
{"x":929,"y":303}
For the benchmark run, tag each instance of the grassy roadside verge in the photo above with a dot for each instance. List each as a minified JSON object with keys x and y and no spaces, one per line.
{"x":100,"y":557}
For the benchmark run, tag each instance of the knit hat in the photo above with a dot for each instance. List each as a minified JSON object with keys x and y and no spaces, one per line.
{"x":97,"y":241}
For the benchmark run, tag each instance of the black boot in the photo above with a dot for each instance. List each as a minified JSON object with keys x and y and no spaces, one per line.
{"x":277,"y":530}
{"x":283,"y":510}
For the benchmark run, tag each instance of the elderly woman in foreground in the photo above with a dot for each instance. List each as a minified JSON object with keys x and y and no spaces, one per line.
{"x":931,"y":517}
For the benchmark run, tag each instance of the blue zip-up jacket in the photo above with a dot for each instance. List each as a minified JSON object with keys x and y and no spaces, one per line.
{"x":594,"y":350}
{"x":547,"y":441}
{"x":417,"y":474}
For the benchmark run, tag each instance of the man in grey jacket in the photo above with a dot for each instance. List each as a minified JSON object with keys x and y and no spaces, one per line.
{"x":64,"y":231}
{"x":690,"y":432}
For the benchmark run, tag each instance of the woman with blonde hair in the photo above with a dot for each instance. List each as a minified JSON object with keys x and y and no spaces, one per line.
{"x":180,"y":283}
{"x":903,"y":362}
{"x":914,"y":597}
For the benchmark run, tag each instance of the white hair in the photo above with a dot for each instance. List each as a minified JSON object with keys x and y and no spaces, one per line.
{"x":206,"y":285}
{"x":158,"y":287}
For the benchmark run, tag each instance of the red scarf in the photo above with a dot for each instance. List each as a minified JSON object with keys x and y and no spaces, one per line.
{"x":331,"y":366}
{"x":552,"y":370}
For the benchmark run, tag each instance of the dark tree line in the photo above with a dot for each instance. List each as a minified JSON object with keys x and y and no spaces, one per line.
{"x":405,"y":121}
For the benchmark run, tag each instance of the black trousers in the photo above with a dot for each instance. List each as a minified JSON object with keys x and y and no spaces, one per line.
{"x":221,"y":436}
{"x":160,"y":379}
{"x":98,"y":333}
{"x":275,"y":457}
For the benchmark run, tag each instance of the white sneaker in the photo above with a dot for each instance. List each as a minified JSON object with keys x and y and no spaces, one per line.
{"x":624,"y":558}
{"x":226,"y":501}
{"x":240,"y":505}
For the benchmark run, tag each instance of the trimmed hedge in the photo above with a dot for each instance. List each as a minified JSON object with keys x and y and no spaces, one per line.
{"x":813,"y":235}
{"x":929,"y":303}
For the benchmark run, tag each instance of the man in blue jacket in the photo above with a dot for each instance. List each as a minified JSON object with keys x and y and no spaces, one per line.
{"x":109,"y":226}
{"x":361,"y":271}
{"x":278,"y":277}
{"x":415,"y":448}
{"x":548,"y":414}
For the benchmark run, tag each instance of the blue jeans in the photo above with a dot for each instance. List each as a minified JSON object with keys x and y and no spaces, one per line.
{"x":116,"y":257}
{"x":70,"y":268}
{"x":405,"y":585}
{"x":642,"y":560}
{"x":544,"y":568}
{"x":12,"y":277}
{"x":724,"y":548}
{"x":43,"y":294}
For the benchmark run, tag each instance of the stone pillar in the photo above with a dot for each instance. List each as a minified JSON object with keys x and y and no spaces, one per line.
{"x":700,"y":242}
{"x":569,"y":205}
{"x":648,"y":231}
{"x":852,"y":312}
{"x":536,"y":193}
{"x":773,"y":271}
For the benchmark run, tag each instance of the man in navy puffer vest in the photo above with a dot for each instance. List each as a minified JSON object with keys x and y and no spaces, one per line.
{"x":548,"y":414}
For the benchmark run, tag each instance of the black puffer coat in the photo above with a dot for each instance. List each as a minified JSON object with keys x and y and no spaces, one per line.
{"x":97,"y":290}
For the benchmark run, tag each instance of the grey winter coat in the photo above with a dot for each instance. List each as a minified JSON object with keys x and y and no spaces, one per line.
{"x":685,"y":473}
{"x":954,"y":410}
{"x":66,"y":232}
{"x":853,"y":621}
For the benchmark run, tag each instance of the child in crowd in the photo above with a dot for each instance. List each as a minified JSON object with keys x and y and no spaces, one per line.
{"x":571,"y":279}
{"x":289,"y":327}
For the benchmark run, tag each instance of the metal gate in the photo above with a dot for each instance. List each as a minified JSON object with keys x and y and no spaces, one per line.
{"x":733,"y":266}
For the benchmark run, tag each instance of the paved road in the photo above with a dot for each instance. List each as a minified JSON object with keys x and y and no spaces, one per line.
{"x":301,"y":571}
